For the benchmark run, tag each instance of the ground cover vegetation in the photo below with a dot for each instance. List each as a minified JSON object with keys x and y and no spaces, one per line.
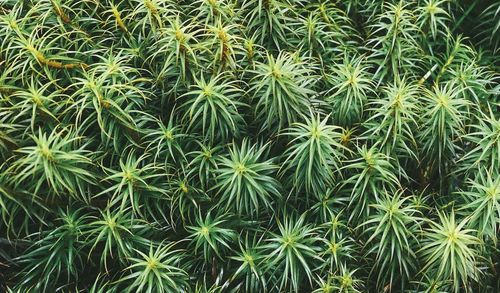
{"x":249,"y":146}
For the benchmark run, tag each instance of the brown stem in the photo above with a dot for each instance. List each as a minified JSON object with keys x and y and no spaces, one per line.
{"x":119,"y":20}
{"x":55,"y":64}
{"x":151,"y":7}
{"x":60,"y":12}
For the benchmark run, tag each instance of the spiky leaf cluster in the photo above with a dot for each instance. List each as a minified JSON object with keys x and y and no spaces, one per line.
{"x":249,"y":146}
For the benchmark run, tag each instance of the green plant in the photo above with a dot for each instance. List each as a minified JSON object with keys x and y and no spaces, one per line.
{"x":394,"y":119}
{"x":204,"y":163}
{"x":54,"y":164}
{"x":209,"y":236}
{"x":55,"y":256}
{"x":176,"y":46}
{"x":315,"y":151}
{"x":156,"y":271}
{"x":245,"y":180}
{"x":166,"y":140}
{"x":450,"y":251}
{"x":371,"y":173}
{"x":115,"y":229}
{"x":224,"y":44}
{"x":483,"y":204}
{"x":343,"y":281}
{"x":340,"y":247}
{"x":269,"y":19}
{"x":351,"y":85}
{"x":131,"y":183}
{"x":292,"y":252}
{"x":432,"y":17}
{"x":213,"y":106}
{"x":395,"y":39}
{"x":280,"y":87}
{"x":444,"y":118}
{"x":394,"y":227}
{"x":249,"y":146}
{"x":34,"y":104}
{"x":485,"y":139}
{"x":250,"y":259}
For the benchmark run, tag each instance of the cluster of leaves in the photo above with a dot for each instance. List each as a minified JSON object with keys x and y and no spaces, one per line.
{"x":249,"y":146}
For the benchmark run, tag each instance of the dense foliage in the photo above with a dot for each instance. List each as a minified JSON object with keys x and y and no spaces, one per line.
{"x":249,"y":146}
